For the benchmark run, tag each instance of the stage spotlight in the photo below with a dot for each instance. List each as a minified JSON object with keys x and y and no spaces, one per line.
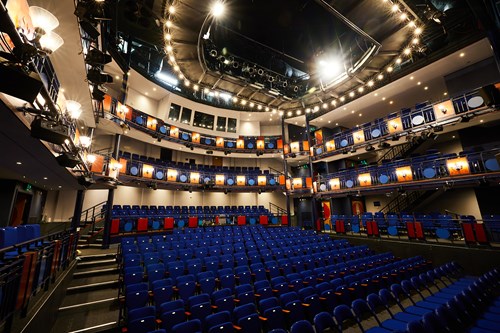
{"x":97,"y":77}
{"x":89,"y":29}
{"x":98,"y":94}
{"x":383,"y":145}
{"x":97,"y":57}
{"x":210,"y":152}
{"x":353,"y":150}
{"x":438,"y":128}
{"x":227,"y":152}
{"x":369,"y":148}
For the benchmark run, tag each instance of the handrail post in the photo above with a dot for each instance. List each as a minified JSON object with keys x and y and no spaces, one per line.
{"x":77,"y":214}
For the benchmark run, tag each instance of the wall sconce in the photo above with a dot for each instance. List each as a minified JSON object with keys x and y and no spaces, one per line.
{"x":443,"y":109}
{"x":44,"y":22}
{"x":122,"y":109}
{"x":458,"y":166}
{"x":91,"y":158}
{"x":85,"y":141}
{"x":116,"y":166}
{"x":74,"y":109}
{"x":394,"y":124}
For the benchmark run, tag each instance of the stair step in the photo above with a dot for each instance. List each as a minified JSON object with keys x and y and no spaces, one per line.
{"x":93,"y":304}
{"x":96,"y":262}
{"x":97,"y":328}
{"x":100,"y":256}
{"x":96,"y":272}
{"x":93,"y":286}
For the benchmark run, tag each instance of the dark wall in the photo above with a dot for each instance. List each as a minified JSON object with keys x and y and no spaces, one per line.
{"x":484,"y":135}
{"x":341,"y":206}
{"x":488,"y":200}
{"x":303,"y":211}
{"x":296,"y":133}
{"x":474,"y":76}
{"x":7,"y":197}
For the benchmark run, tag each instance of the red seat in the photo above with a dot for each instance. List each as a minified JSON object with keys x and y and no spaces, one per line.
{"x":284,"y":220}
{"x":168,"y":223}
{"x":115,"y":226}
{"x":410,"y":227}
{"x":480,"y":233}
{"x":193,"y":222}
{"x":142,"y":224}
{"x":369,"y":229}
{"x":374,"y":228}
{"x":263,"y":220}
{"x":468,"y":233}
{"x":242,"y":220}
{"x":419,"y":230}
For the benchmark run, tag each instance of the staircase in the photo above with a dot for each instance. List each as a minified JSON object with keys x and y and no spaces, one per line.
{"x":400,"y":151}
{"x":406,"y":201}
{"x":92,"y":226}
{"x":91,"y":303}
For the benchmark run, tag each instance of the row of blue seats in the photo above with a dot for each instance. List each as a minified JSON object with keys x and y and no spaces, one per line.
{"x":175,"y":208}
{"x":263,"y":293}
{"x":10,"y":236}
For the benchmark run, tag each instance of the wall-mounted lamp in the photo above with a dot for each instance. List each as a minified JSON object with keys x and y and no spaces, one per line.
{"x":74,"y":109}
{"x":91,"y":158}
{"x":85,"y":141}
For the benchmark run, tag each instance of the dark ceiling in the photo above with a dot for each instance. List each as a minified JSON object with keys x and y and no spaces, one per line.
{"x":288,"y":37}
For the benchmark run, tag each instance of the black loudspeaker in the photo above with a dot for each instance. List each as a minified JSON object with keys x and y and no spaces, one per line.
{"x":68,"y":160}
{"x":16,"y":83}
{"x":49,"y":131}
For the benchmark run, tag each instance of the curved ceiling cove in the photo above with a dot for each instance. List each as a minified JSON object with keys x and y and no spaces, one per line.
{"x":292,"y":56}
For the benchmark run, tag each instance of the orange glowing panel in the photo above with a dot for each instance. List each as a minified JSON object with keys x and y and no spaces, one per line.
{"x":195,"y":137}
{"x":262,"y":180}
{"x":288,"y":184}
{"x":359,"y":136}
{"x":318,"y":136}
{"x":458,"y":166}
{"x":309,"y":182}
{"x":113,"y":168}
{"x":281,"y":179}
{"x":365,"y":179}
{"x":122,"y":111}
{"x":151,"y":123}
{"x":444,"y":109}
{"x":219,"y":142}
{"x":330,"y":145}
{"x":260,"y":144}
{"x":295,"y":147}
{"x":305,"y":145}
{"x":194,"y":178}
{"x":395,"y":125}
{"x":220,"y":179}
{"x":241,"y":180}
{"x":76,"y":139}
{"x":172,"y":175}
{"x":404,"y":174}
{"x":279,"y":143}
{"x":315,"y":187}
{"x":123,"y":163}
{"x":147,"y":171}
{"x":286,"y":149}
{"x":334,"y":184}
{"x":98,"y":164}
{"x":297,"y":183}
{"x":174,"y":132}
{"x":240,"y":144}
{"x":106,"y":104}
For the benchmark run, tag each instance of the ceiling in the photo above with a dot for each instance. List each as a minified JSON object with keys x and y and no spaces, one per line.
{"x":292,"y":37}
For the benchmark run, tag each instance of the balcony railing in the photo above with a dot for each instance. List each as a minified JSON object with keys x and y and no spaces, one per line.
{"x":427,"y":118}
{"x":428,"y":168}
